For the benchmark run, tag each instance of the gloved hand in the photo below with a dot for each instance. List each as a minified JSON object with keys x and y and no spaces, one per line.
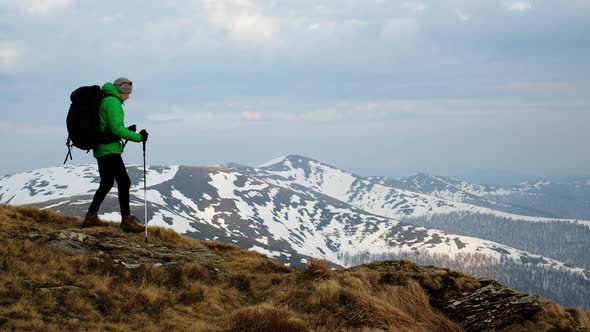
{"x":133,"y":128}
{"x":144,"y":135}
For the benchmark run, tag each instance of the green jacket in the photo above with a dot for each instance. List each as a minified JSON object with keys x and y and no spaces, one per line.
{"x":111,"y":120}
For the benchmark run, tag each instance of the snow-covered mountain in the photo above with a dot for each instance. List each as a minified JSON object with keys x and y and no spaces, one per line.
{"x":291,"y":208}
{"x":294,"y":205}
{"x":565,"y":198}
{"x":457,"y":191}
{"x":433,"y":202}
{"x":413,"y":196}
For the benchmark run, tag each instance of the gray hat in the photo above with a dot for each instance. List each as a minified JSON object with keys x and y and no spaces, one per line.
{"x":124,"y":85}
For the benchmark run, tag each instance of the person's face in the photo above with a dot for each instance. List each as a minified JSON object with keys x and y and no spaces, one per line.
{"x":124,"y":96}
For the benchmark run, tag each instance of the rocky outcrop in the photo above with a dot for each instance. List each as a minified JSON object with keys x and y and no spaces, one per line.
{"x":490,"y":307}
{"x":131,"y":255}
{"x":476,"y":304}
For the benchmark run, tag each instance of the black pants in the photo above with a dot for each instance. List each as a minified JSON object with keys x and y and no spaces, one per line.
{"x":111,"y":168}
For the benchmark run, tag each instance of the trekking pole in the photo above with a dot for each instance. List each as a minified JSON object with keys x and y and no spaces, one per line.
{"x":145,"y":193}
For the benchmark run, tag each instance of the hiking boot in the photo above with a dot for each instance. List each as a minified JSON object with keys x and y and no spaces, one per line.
{"x":131,"y":224}
{"x":92,"y":220}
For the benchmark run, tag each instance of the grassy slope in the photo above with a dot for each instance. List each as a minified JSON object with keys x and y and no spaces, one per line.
{"x":43,"y":289}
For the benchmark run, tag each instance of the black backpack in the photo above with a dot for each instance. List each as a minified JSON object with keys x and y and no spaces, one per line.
{"x":83,"y":120}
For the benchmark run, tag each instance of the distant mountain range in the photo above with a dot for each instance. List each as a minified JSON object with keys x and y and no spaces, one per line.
{"x":293,"y":207}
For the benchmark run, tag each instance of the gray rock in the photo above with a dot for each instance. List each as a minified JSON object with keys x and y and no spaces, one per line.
{"x":491,"y":307}
{"x":69,"y":247}
{"x":79,"y":237}
{"x":133,"y":255}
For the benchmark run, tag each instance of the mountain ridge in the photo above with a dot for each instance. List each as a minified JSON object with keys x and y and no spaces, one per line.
{"x":285,"y":214}
{"x":289,"y":166}
{"x":103,"y":279}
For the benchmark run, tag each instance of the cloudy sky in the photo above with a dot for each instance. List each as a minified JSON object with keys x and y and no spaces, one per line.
{"x":373,"y":86}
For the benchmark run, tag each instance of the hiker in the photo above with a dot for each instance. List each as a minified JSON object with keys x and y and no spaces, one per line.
{"x":108,"y":155}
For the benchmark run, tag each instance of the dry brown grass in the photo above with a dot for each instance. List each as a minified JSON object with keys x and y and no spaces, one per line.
{"x":555,"y":318}
{"x":357,"y":301}
{"x":45,"y":290}
{"x":317,"y":269}
{"x":265,"y":317}
{"x":412,"y":300}
{"x":466,"y":283}
{"x":166,"y":236}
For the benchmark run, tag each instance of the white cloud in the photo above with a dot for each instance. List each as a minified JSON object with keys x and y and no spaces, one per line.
{"x":415,"y":6}
{"x":9,"y":129}
{"x":9,"y":55}
{"x":462,"y":15}
{"x":520,"y":6}
{"x":165,"y":117}
{"x":399,"y":27}
{"x":242,"y":19}
{"x":313,"y":26}
{"x":197,"y":116}
{"x":325,"y":115}
{"x":112,"y":18}
{"x":43,"y":6}
{"x":252,"y":115}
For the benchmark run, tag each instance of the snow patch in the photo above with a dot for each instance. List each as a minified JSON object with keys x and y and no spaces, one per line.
{"x":157,"y":175}
{"x":272,"y":162}
{"x":268,"y":253}
{"x":48,"y":184}
{"x":179,"y":224}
